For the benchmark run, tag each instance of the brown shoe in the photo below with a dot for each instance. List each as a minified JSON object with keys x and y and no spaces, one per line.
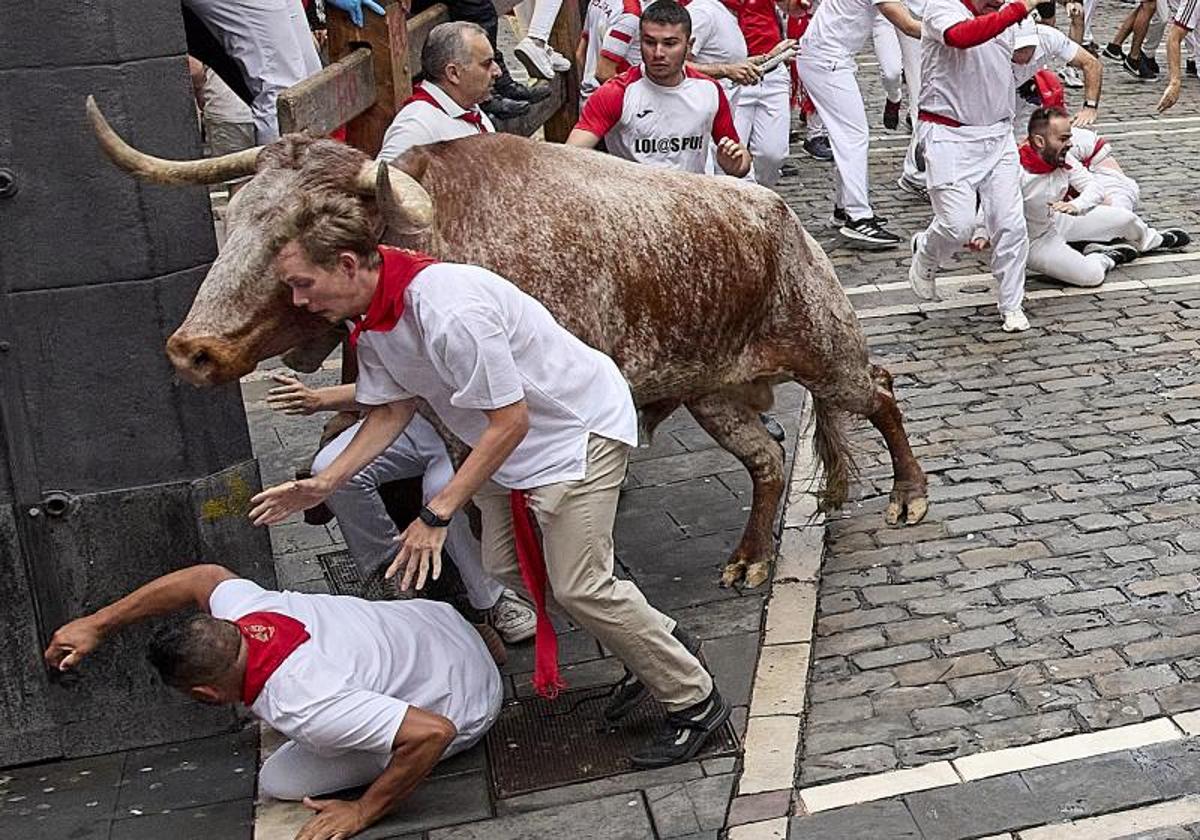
{"x":495,"y":644}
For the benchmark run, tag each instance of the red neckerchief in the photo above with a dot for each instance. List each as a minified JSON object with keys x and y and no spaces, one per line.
{"x":400,"y":267}
{"x":1100,"y":144}
{"x":270,"y":639}
{"x":1034,"y":164}
{"x":419,"y":94}
{"x":532,"y":563}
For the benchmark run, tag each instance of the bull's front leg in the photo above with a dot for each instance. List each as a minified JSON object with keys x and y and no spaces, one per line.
{"x":733,"y":422}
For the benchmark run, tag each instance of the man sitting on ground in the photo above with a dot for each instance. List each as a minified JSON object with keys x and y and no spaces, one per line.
{"x":367,"y":692}
{"x":1055,"y":220}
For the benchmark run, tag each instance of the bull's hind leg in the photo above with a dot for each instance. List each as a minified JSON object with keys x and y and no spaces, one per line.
{"x":731,"y":418}
{"x":908,"y":497}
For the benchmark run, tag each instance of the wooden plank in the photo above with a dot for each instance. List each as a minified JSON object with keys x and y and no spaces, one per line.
{"x":387,"y":38}
{"x":564,"y":37}
{"x":419,"y":26}
{"x":331,"y":98}
{"x":533,"y":119}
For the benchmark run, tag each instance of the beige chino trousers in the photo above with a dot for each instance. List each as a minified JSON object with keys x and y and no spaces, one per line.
{"x":576,"y":519}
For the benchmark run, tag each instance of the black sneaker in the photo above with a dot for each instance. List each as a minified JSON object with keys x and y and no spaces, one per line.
{"x":629,"y":691}
{"x":503,"y":108}
{"x":891,"y":114}
{"x":1148,"y":69}
{"x":773,"y":428}
{"x":819,"y":148}
{"x":912,"y":188}
{"x":518,"y":92}
{"x":1113,"y":52}
{"x":1190,"y":67}
{"x":869,"y":233}
{"x":1120,"y":253}
{"x":1093,"y":48}
{"x":839,"y":218}
{"x":684,"y":732}
{"x":1173,"y":238}
{"x":1132,"y":68}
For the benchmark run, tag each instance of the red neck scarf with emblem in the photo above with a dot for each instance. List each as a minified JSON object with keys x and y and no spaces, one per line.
{"x":473,"y":117}
{"x":397,"y":271}
{"x":1034,"y":164}
{"x":270,"y":639}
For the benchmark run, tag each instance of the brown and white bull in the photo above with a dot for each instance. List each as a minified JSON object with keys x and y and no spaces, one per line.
{"x":706,"y":291}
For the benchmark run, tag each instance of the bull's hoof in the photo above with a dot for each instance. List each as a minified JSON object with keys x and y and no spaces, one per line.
{"x":912,"y":508}
{"x":757,"y":574}
{"x":733,"y":573}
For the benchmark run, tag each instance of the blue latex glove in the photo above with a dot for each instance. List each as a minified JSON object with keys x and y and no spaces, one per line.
{"x":354,"y":8}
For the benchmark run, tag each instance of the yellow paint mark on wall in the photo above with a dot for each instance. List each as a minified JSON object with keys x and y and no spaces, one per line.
{"x":235,"y":501}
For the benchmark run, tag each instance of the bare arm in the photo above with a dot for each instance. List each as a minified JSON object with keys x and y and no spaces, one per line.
{"x":900,"y":17}
{"x":582,"y":139}
{"x":291,"y":396}
{"x":420,"y":742}
{"x":742,"y":72}
{"x":190,"y":587}
{"x":606,"y":68}
{"x":421,"y":544}
{"x":1174,"y":67}
{"x":383,"y":424}
{"x":1093,"y":74}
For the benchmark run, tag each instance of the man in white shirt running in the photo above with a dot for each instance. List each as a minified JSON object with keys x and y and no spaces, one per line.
{"x":1040,"y":47}
{"x":965,"y":125}
{"x":663,"y":113}
{"x":827,"y":69}
{"x":368,"y":693}
{"x":550,"y":422}
{"x":459,"y":68}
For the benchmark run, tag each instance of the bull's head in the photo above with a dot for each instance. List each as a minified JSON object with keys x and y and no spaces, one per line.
{"x":243,"y":312}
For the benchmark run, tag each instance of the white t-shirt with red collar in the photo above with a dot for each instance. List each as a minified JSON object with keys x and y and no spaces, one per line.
{"x":432,"y":116}
{"x":350,"y":685}
{"x":666,"y":127}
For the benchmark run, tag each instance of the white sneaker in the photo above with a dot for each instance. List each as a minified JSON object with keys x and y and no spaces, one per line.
{"x":1071,"y":77}
{"x":922,"y":280}
{"x":1015,"y":321}
{"x":535,"y":57}
{"x":513,"y":619}
{"x":557,"y":60}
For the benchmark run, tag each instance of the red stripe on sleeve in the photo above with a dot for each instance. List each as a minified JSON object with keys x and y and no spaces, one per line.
{"x":602,"y":111}
{"x":620,"y":36}
{"x":980,"y":30}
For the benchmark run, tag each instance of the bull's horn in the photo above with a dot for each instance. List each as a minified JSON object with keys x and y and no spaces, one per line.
{"x":403,"y":202}
{"x":159,"y":171}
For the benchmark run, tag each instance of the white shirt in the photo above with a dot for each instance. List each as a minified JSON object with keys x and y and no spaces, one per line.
{"x":621,"y":43}
{"x":470,"y":340}
{"x":421,"y":123}
{"x":972,"y":86}
{"x":350,"y":685}
{"x":601,"y":15}
{"x":1051,"y":48}
{"x":1089,"y":147}
{"x":716,"y":37}
{"x":838,"y":29}
{"x":666,"y":127}
{"x":1041,"y":190}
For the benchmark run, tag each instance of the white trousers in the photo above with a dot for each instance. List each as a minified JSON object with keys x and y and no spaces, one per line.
{"x":1089,"y":12}
{"x":369,"y":531}
{"x":886,"y":39}
{"x":1119,"y":189}
{"x":541,"y":21}
{"x":1050,"y":254}
{"x":271,"y":42}
{"x":294,"y":771}
{"x":762,"y":118}
{"x":962,"y":175}
{"x":833,"y":89}
{"x":910,"y":53}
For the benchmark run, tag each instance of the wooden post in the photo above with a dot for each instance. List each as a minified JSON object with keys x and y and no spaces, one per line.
{"x":387,"y":37}
{"x":564,"y":37}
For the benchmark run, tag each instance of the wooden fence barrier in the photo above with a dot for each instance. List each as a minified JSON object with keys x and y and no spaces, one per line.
{"x":373,"y":68}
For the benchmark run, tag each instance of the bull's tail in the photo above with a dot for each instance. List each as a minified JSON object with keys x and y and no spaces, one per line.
{"x":831,"y":445}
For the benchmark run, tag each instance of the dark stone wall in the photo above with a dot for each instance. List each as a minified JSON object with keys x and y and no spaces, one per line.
{"x":96,"y":270}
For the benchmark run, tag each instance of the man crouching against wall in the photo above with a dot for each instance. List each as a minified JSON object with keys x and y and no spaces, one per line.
{"x":550,"y":422}
{"x":367,"y":692}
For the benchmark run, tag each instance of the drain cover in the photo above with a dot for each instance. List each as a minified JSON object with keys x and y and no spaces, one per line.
{"x":342,"y":574}
{"x":538,"y":744}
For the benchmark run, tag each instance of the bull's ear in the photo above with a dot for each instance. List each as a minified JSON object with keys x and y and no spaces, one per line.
{"x":406,"y":208}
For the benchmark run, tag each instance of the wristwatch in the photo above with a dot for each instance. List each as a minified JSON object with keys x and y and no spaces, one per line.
{"x":1091,"y":103}
{"x":432,"y":519}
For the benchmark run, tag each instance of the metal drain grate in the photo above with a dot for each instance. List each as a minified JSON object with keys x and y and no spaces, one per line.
{"x":342,"y":575}
{"x":538,"y":744}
